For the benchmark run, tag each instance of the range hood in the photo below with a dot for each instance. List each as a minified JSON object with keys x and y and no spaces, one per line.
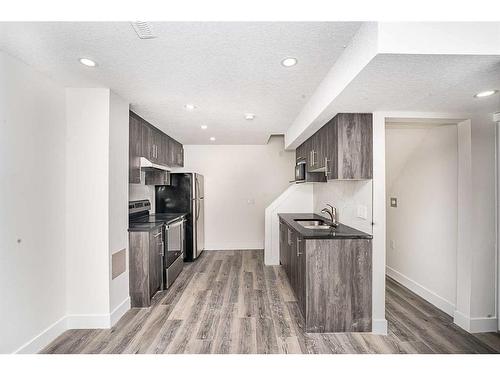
{"x":148,"y":165}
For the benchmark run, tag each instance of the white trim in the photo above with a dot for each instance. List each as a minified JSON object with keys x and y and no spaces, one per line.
{"x":379,"y":326}
{"x":475,"y":325}
{"x":73,"y":322}
{"x":119,"y":311}
{"x":88,"y":321}
{"x":44,"y":338}
{"x":441,"y":303}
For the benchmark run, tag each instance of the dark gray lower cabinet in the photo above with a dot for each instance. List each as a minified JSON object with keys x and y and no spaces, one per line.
{"x":331,"y":279}
{"x":145,"y":266}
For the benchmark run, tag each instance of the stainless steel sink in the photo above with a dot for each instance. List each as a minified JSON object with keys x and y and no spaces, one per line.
{"x":314,"y":224}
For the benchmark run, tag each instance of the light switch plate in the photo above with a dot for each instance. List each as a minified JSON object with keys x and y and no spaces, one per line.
{"x":362,"y":212}
{"x":394,"y":202}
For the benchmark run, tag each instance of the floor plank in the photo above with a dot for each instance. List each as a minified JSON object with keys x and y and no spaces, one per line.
{"x":230,"y":302}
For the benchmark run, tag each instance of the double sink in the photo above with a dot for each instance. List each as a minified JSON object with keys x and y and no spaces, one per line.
{"x":314,"y":224}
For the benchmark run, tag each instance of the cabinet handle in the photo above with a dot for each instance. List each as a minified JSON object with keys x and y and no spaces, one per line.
{"x":326,"y":168}
{"x":289,"y":240}
{"x":298,"y":246}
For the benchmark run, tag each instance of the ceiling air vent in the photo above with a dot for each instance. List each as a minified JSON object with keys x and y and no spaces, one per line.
{"x":143,"y":30}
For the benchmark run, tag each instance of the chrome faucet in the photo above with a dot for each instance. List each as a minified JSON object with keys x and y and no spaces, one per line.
{"x":332,"y":211}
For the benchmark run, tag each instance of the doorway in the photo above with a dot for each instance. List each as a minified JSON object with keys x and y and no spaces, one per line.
{"x":422,"y":208}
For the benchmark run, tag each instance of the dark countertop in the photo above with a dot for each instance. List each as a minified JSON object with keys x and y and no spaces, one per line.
{"x":153,"y":221}
{"x":340,"y":232}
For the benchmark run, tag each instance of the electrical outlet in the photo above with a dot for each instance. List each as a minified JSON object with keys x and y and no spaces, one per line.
{"x":393,"y":244}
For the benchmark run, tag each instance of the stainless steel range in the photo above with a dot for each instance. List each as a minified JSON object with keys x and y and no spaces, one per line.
{"x":172,"y":236}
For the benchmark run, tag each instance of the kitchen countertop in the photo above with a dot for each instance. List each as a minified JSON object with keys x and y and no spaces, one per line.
{"x":340,"y":232}
{"x":153,"y":221}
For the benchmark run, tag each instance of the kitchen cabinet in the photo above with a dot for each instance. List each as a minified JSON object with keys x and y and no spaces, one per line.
{"x":155,"y":260}
{"x":147,"y":141}
{"x":135,"y":151}
{"x":331,"y":280}
{"x":341,"y":149}
{"x":292,"y":258}
{"x":145,"y":265}
{"x":355,"y":146}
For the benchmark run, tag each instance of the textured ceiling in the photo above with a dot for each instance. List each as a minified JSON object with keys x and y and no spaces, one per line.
{"x":225,"y":69}
{"x":425,"y":83}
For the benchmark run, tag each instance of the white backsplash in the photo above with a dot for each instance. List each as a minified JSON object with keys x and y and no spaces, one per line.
{"x":142,"y":191}
{"x":351,"y":198}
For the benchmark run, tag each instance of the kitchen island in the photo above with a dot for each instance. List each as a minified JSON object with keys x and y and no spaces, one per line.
{"x":330,"y":271}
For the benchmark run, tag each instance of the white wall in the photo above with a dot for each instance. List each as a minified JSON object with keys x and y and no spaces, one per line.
{"x":87,"y":209}
{"x":483,"y":216}
{"x":118,"y":196}
{"x":422,"y":173}
{"x":352,"y":199}
{"x":240,"y":182}
{"x":96,"y":205}
{"x":32,"y":173}
{"x":476,"y":251}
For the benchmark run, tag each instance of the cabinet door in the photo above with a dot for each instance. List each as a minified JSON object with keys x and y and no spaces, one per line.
{"x":179,"y":152}
{"x":331,"y":149}
{"x":146,"y":141}
{"x":307,"y":148}
{"x":164,"y":150}
{"x":355,"y":148}
{"x":301,"y":274}
{"x":282,"y":243}
{"x":134,"y":175}
{"x":300,"y":152}
{"x":155,"y":260}
{"x":294,"y":263}
{"x":156,"y":144}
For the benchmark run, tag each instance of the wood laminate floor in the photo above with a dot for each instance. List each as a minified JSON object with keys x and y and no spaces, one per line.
{"x":229,"y":302}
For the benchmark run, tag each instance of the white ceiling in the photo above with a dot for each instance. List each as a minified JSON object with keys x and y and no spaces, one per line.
{"x":423,"y":83}
{"x":225,"y":69}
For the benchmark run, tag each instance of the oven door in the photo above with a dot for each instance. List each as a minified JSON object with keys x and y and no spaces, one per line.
{"x":174,"y":242}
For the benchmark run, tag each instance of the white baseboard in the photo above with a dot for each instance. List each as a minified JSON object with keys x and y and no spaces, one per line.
{"x":73,"y":322}
{"x":475,"y":325}
{"x":431,"y":297}
{"x":379,"y":326}
{"x":44,"y":338}
{"x":88,"y":321}
{"x":119,"y":311}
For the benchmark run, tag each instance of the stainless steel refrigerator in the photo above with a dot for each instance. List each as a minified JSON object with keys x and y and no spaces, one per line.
{"x":185,"y":194}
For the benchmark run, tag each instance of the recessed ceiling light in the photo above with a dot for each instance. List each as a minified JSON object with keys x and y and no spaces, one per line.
{"x":485,"y":93}
{"x":212,"y":139}
{"x":288,"y":62}
{"x":189,"y":107}
{"x":87,"y":62}
{"x":249,"y":116}
{"x":204,"y":127}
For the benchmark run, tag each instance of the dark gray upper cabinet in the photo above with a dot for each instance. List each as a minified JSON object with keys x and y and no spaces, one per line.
{"x":135,"y":151}
{"x":147,"y":141}
{"x":342,"y":148}
{"x":355,"y":145}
